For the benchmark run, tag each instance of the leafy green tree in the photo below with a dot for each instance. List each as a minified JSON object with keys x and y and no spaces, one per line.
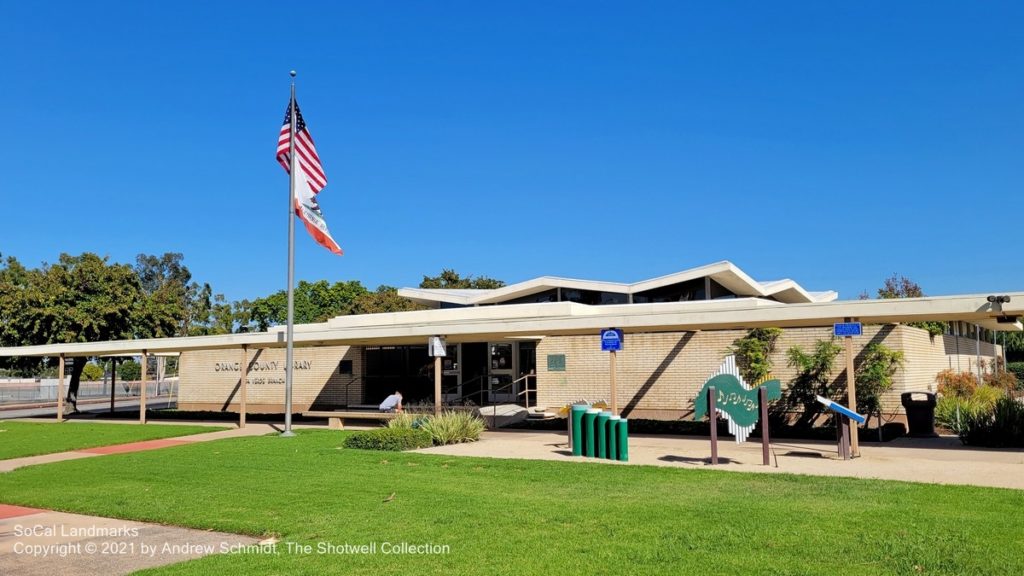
{"x":129,"y":370}
{"x":449,"y":278}
{"x":79,"y":299}
{"x":874,"y":376}
{"x":813,"y":378}
{"x":14,"y":279}
{"x":384,"y":299}
{"x":754,"y":353}
{"x":899,"y":286}
{"x":314,"y":302}
{"x":92,"y":372}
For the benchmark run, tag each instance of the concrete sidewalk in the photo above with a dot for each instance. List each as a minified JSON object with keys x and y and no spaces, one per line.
{"x":37,"y":542}
{"x":249,"y":430}
{"x":940,"y":460}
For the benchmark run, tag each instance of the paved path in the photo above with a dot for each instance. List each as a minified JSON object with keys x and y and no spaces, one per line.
{"x":249,"y":430}
{"x":42,"y":543}
{"x":941,"y":460}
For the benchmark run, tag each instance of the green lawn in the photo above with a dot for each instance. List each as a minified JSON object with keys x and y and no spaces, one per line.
{"x":18,"y":439}
{"x":531,"y":517}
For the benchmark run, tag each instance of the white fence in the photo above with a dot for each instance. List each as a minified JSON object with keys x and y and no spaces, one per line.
{"x":29,"y":391}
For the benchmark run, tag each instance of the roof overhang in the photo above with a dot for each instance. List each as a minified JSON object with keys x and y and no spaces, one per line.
{"x":566,"y":318}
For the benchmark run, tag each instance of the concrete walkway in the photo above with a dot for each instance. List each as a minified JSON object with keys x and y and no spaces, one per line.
{"x":249,"y":430}
{"x":940,"y":460}
{"x":42,"y":543}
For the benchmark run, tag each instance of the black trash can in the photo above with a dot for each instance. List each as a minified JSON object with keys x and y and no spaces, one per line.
{"x":920,"y":413}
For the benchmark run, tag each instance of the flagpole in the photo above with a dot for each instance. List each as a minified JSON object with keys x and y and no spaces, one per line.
{"x":290,"y":331}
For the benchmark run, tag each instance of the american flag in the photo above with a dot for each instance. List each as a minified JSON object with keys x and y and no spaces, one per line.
{"x":308,"y":158}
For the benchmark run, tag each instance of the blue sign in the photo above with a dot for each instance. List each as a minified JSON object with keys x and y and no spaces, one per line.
{"x":611,"y":340}
{"x":837,"y":407}
{"x":846,"y":329}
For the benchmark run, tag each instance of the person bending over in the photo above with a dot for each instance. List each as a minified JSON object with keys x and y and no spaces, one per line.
{"x":392,"y":403}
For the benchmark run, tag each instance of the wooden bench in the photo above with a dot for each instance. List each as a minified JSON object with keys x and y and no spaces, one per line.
{"x":336,"y":418}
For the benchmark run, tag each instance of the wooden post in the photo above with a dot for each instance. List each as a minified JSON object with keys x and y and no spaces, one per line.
{"x":713,"y":414}
{"x":612,"y":363}
{"x":762,"y":399}
{"x":142,"y":390}
{"x":60,"y":389}
{"x":113,"y":382}
{"x":437,"y":385}
{"x":851,"y":393}
{"x":242,"y":386}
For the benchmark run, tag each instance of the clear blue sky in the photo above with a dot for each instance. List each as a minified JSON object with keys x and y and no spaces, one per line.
{"x":832,"y":143}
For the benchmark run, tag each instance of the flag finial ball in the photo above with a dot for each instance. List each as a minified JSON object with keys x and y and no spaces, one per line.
{"x":292,"y":73}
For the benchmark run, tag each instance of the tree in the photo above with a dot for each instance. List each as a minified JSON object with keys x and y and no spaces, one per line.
{"x":13,"y":283}
{"x":384,"y":299}
{"x":174,"y":305}
{"x":129,"y":371}
{"x":754,"y":353}
{"x":314,"y":302}
{"x":899,"y":286}
{"x":449,"y":278}
{"x":874,"y":376}
{"x":79,"y":299}
{"x":814,"y":374}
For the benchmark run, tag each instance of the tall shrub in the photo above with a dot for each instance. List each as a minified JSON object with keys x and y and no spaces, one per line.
{"x":954,"y":383}
{"x":874,"y":376}
{"x":813,"y":377}
{"x":754,"y":353}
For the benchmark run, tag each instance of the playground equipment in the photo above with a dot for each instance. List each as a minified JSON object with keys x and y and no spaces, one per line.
{"x":843,"y":417}
{"x":596,"y":433}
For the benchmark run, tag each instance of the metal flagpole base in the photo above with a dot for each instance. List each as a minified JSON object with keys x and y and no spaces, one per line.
{"x":287,"y":434}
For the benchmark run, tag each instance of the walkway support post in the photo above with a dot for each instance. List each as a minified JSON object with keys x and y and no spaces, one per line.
{"x":612,"y":362}
{"x":437,"y":385}
{"x":142,"y":388}
{"x":60,"y":389}
{"x":242,"y":385}
{"x":762,"y":400}
{"x":851,"y":392}
{"x":113,"y":382}
{"x":713,"y":414}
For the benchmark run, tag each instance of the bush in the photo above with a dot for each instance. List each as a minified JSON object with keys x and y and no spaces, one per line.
{"x":453,"y":427}
{"x":1017,"y":368}
{"x":1005,"y":380}
{"x":92,"y":373}
{"x":1002,"y":427}
{"x":391,"y":439}
{"x":407,"y":421}
{"x":129,"y":371}
{"x":953,"y":383}
{"x":958,"y":414}
{"x":875,"y":376}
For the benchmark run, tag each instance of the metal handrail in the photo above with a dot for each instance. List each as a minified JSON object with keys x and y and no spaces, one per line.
{"x":526,"y":391}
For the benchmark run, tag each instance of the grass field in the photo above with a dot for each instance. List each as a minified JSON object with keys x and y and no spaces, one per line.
{"x":532,"y":517}
{"x":18,"y":439}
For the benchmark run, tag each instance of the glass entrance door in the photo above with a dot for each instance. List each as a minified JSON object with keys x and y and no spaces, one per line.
{"x":501,"y":372}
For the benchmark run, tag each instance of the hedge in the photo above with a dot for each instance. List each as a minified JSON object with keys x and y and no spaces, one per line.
{"x":391,"y":439}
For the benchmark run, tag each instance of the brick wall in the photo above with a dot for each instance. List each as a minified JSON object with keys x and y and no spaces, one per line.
{"x":659,"y":374}
{"x":210,"y":379}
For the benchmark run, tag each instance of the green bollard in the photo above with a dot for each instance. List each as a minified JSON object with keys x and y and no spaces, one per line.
{"x":613,"y":425}
{"x":588,"y":431}
{"x":623,"y":433}
{"x":576,"y":429}
{"x":601,"y":423}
